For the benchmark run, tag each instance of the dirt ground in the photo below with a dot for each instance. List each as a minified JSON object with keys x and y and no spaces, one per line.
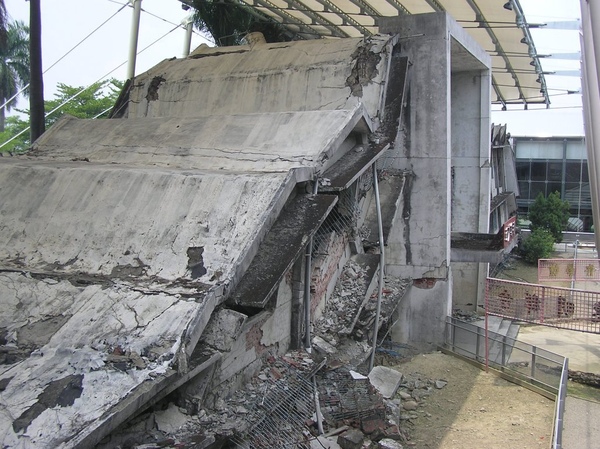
{"x":475,"y":409}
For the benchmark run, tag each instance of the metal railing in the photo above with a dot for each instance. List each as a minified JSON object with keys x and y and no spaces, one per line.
{"x":559,"y":412}
{"x":564,"y":308}
{"x":523,"y":362}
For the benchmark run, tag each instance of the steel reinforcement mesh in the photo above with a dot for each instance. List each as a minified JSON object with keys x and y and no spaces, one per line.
{"x":550,"y":306}
{"x":278,"y":417}
{"x":345,"y":399}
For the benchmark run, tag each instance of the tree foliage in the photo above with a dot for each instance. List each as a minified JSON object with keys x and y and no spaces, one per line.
{"x":539,"y":245}
{"x":92,"y":102}
{"x":228,"y":21}
{"x":14,"y":65}
{"x":551,"y":214}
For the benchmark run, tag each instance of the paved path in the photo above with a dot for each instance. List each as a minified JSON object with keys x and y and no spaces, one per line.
{"x":581,"y":426}
{"x":582,"y":349}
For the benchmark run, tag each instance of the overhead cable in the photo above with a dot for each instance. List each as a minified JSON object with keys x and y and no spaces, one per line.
{"x":64,"y":56}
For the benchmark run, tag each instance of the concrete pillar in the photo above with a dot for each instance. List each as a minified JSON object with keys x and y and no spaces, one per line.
{"x":419,"y":241}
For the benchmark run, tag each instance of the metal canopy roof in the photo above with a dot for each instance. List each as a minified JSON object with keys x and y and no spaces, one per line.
{"x":499,"y":26}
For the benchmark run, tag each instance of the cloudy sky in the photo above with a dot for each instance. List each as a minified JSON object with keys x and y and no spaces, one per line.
{"x":68,"y":23}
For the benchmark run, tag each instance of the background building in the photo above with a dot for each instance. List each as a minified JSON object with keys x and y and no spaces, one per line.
{"x":555,"y":164}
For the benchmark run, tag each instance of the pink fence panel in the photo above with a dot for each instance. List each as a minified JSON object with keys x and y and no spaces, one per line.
{"x":568,"y":270}
{"x":551,"y":306}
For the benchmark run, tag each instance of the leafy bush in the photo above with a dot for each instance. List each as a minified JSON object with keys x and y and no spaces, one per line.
{"x":539,"y":245}
{"x":551,"y":214}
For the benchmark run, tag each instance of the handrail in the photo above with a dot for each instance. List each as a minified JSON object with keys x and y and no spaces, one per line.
{"x":472,"y":336}
{"x":560,"y":406}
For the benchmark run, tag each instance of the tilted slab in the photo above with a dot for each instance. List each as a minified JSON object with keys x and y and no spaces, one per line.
{"x":288,"y":76}
{"x":122,"y":221}
{"x":244,"y":143}
{"x":351,"y":166}
{"x":80,"y":351}
{"x":282,"y":245}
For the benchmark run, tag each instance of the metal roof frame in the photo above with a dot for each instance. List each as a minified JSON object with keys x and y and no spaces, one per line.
{"x":500,"y":28}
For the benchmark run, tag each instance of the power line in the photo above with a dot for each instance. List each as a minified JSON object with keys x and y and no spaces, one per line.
{"x":95,"y":82}
{"x":65,"y":55}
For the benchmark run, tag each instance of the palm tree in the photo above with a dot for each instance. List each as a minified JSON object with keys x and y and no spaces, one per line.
{"x":3,"y":22}
{"x":14,"y":65}
{"x":228,"y":21}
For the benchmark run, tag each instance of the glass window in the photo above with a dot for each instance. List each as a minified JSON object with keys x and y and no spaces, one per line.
{"x":553,"y":187}
{"x":539,"y":150}
{"x":537,"y":188}
{"x":524,"y":190}
{"x":575,"y":170}
{"x":538,"y":171}
{"x":576,"y":150}
{"x":522,"y":170}
{"x":555,"y":171}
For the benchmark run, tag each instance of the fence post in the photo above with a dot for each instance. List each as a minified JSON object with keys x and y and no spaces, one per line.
{"x":533,"y":358}
{"x":477,"y":344}
{"x":543,"y":305}
{"x":503,"y":350}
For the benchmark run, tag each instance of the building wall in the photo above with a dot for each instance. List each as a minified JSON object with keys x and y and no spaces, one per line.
{"x":471,"y":167}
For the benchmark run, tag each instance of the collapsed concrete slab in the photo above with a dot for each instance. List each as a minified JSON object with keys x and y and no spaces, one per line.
{"x":120,"y":238}
{"x":129,"y":244}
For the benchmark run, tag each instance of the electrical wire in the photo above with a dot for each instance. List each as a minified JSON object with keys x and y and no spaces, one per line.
{"x":164,"y":20}
{"x":95,"y":82}
{"x":65,"y":55}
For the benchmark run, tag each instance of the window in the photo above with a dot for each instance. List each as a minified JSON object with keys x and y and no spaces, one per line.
{"x":538,"y":171}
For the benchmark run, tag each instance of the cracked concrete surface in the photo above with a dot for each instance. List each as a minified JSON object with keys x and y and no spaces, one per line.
{"x":119,"y":238}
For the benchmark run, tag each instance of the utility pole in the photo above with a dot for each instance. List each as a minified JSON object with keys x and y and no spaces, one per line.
{"x":36,"y":88}
{"x":135,"y":31}
{"x":187,"y":43}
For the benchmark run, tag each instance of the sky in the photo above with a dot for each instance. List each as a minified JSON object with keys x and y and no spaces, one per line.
{"x":67,"y":23}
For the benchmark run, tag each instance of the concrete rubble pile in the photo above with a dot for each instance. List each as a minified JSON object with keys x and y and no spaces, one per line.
{"x":357,"y":411}
{"x":349,"y":313}
{"x":341,"y":350}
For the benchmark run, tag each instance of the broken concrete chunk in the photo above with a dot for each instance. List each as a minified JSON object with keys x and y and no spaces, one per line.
{"x":352,"y":439}
{"x":387,"y":443}
{"x":223,"y":329}
{"x":322,"y":346}
{"x":170,"y":420}
{"x":409,"y":405}
{"x":323,"y":442}
{"x":385,"y":380}
{"x":357,"y":376}
{"x":439,"y":384}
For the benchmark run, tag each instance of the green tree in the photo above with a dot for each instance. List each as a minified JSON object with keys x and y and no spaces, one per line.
{"x":538,"y":245}
{"x":14,"y":65}
{"x":92,"y":102}
{"x":551,"y":214}
{"x":228,"y":21}
{"x":81,"y":102}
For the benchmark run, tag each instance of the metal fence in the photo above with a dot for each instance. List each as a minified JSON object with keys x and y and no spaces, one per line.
{"x":550,"y":270}
{"x":539,"y":304}
{"x":530,"y":364}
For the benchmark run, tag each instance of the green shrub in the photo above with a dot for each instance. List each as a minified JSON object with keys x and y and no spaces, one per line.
{"x":539,"y":245}
{"x":551,"y":214}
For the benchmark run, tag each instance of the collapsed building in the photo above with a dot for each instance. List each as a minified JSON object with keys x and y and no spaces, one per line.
{"x":206,"y":224}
